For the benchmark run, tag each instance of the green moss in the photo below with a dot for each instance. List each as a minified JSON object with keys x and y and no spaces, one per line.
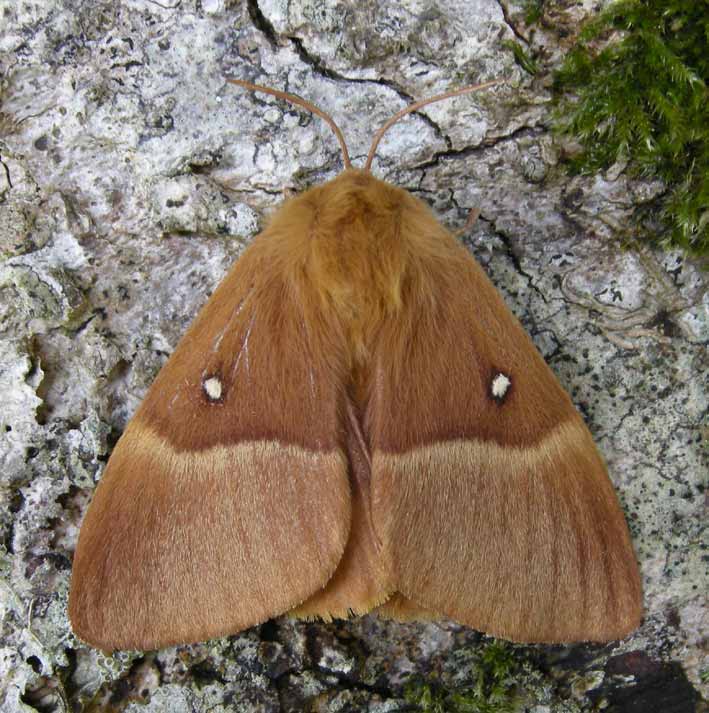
{"x":634,"y":90}
{"x":533,"y":11}
{"x":522,"y":58}
{"x":493,"y":690}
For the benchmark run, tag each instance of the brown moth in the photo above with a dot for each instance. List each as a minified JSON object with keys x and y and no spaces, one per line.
{"x":354,"y":422}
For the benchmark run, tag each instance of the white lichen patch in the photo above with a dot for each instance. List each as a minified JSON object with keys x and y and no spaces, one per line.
{"x":213,"y":388}
{"x":500,"y":385}
{"x":19,"y":380}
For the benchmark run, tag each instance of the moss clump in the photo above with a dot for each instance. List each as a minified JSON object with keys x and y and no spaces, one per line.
{"x":493,"y":690}
{"x":522,"y":58}
{"x":533,"y":11}
{"x":634,"y":89}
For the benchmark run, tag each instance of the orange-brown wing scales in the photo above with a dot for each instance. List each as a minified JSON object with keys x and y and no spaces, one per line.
{"x":249,"y":367}
{"x":226,"y":501}
{"x":539,"y":551}
{"x":470,"y":484}
{"x":399,"y":608}
{"x":186,"y":546}
{"x":488,"y":491}
{"x":363,"y":578}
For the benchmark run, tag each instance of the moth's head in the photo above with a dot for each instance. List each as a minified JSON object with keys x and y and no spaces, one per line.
{"x":353,"y":197}
{"x":355,"y":179}
{"x":294,"y":99}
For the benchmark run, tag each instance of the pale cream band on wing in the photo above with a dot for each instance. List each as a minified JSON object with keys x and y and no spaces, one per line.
{"x":550,"y":449}
{"x":223,"y":458}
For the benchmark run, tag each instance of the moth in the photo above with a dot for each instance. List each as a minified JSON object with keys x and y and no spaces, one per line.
{"x":354,"y":422}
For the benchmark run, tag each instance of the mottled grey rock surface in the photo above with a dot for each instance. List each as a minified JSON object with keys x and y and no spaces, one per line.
{"x":131,"y":176}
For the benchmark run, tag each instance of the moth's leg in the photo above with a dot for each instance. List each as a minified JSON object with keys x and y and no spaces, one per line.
{"x":473,"y":216}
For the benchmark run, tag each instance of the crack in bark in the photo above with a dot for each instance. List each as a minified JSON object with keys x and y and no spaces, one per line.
{"x":509,"y":251}
{"x":506,"y":240}
{"x":314,"y":647}
{"x":7,"y":172}
{"x":264,"y":25}
{"x":508,"y":21}
{"x":488,"y":142}
{"x":534,"y":329}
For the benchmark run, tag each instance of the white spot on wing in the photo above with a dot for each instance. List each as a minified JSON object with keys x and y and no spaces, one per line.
{"x":213,"y":388}
{"x":499,"y":386}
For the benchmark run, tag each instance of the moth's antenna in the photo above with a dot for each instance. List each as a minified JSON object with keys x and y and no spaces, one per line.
{"x":415,"y":107}
{"x":294,"y":99}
